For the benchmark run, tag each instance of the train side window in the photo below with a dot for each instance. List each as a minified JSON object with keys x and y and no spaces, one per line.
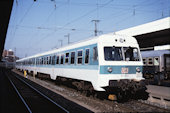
{"x":53,"y":60}
{"x":67,"y":58}
{"x":156,"y":61}
{"x":37,"y":61}
{"x":72,"y":57}
{"x":42,"y":61}
{"x":62,"y":59}
{"x":95,"y":53}
{"x":50,"y":60}
{"x":32,"y":61}
{"x":57,"y":61}
{"x":79,"y":57}
{"x":87,"y":56}
{"x":144,"y":61}
{"x":47,"y":60}
{"x":28,"y":61}
{"x":150,"y":61}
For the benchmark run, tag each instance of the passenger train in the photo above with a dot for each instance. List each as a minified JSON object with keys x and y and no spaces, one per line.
{"x":108,"y":63}
{"x":156,"y":62}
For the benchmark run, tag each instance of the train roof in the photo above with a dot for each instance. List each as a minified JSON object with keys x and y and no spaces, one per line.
{"x":89,"y":41}
{"x":154,"y":53}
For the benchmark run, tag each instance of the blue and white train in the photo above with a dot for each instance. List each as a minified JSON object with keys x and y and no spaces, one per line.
{"x":107,"y":63}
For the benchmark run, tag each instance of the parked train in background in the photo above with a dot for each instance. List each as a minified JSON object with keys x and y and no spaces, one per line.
{"x":108,"y":63}
{"x":156,"y":64}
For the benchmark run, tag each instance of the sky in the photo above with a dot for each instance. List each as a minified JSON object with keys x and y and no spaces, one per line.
{"x":39,"y":26}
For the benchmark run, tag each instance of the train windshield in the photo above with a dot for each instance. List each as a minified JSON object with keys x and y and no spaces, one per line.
{"x":113,"y":53}
{"x":121,"y":54}
{"x":131,"y":54}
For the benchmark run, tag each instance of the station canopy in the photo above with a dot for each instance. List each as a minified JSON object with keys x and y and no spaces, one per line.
{"x":151,"y":34}
{"x":5,"y":12}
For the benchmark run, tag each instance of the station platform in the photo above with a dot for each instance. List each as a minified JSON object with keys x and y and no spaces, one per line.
{"x":9,"y":100}
{"x":165,"y":83}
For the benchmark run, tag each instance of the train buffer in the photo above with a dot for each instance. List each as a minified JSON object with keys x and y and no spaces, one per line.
{"x":159,"y":95}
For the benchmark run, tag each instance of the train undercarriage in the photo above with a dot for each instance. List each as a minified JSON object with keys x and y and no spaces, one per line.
{"x":121,"y":90}
{"x":127,"y":89}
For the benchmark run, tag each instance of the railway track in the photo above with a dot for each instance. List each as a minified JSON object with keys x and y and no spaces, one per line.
{"x":34,"y":100}
{"x":104,"y":105}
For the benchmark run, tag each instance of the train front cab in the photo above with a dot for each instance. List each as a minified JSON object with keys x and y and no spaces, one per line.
{"x":120,"y":65}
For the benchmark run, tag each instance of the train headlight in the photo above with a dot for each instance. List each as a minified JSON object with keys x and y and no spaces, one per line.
{"x":109,"y":69}
{"x":121,"y":40}
{"x":138,"y":69}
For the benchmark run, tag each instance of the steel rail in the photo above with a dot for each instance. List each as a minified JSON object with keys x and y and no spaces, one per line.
{"x":20,"y":95}
{"x":41,"y":94}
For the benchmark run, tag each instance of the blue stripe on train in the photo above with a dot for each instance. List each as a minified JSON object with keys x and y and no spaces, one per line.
{"x":87,"y":67}
{"x":118,"y":69}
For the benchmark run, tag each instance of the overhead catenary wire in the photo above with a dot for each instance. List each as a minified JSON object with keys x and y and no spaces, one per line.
{"x":43,"y":24}
{"x":74,"y":20}
{"x":21,"y":20}
{"x":45,"y":29}
{"x":89,"y":13}
{"x":25,"y":14}
{"x":12,"y":33}
{"x":134,"y":9}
